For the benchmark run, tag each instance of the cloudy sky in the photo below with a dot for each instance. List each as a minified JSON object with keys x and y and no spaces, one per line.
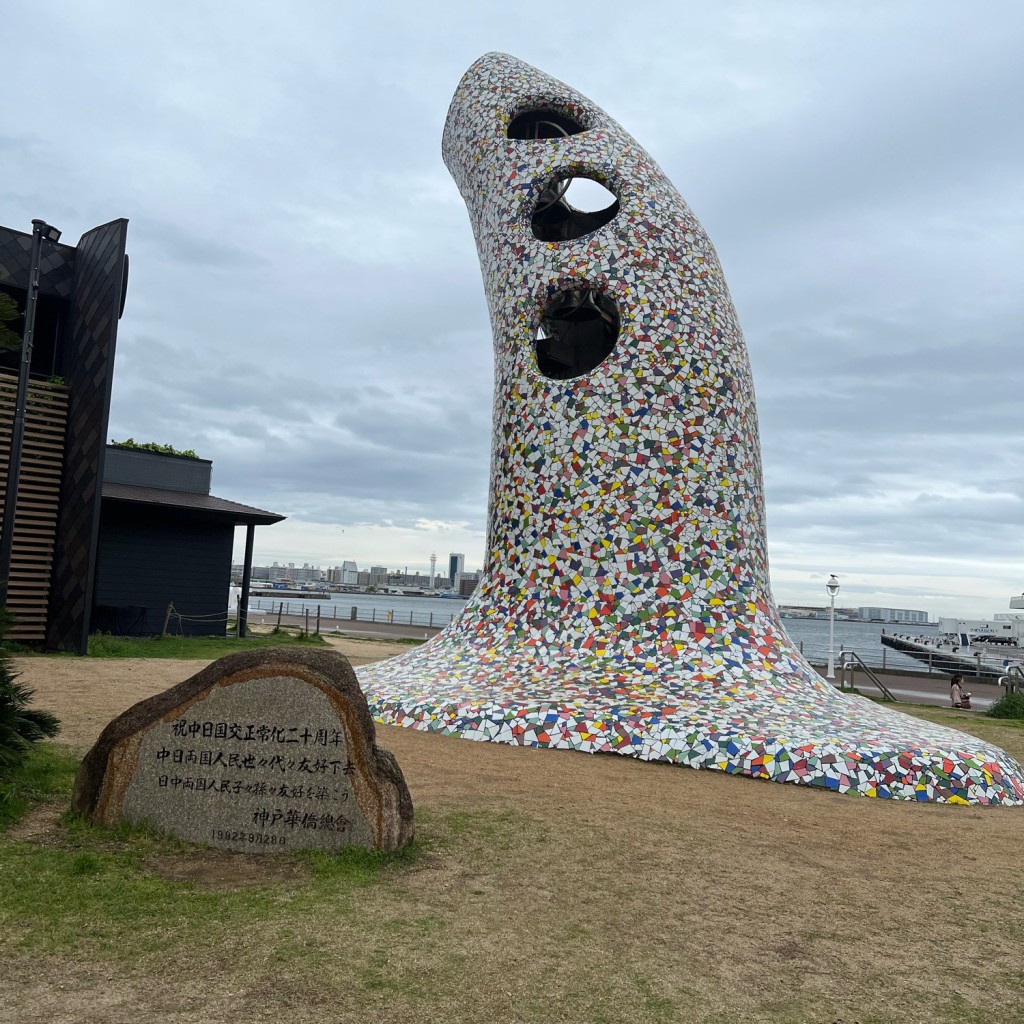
{"x":305,"y":306}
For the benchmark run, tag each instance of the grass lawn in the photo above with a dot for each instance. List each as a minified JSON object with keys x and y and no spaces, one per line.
{"x":176,"y":647}
{"x":103,"y":645}
{"x":209,"y":648}
{"x":46,"y":775}
{"x":542,"y":886}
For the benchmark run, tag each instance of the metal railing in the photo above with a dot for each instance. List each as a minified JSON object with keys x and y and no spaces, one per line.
{"x":1013,"y":680}
{"x":849,"y":661}
{"x":334,"y":612}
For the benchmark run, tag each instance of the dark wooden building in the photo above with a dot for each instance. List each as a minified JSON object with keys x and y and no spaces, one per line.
{"x":98,"y":546}
{"x":165,"y":545}
{"x":81,"y":291}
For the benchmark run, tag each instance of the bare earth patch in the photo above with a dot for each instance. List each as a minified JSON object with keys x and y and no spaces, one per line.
{"x":90,"y":692}
{"x":556,"y":886}
{"x":222,"y":869}
{"x":39,"y":825}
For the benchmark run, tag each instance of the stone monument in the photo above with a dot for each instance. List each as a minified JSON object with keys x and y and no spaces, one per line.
{"x":263,"y":751}
{"x":625,"y":604}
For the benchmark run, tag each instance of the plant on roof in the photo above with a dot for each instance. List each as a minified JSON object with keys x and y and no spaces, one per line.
{"x":151,"y":446}
{"x":9,"y":340}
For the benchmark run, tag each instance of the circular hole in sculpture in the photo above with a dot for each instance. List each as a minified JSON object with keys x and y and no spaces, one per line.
{"x":572,"y":208}
{"x":578,"y":331}
{"x":543,"y":124}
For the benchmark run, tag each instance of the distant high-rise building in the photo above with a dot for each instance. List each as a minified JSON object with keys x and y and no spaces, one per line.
{"x":894,"y":615}
{"x":468,"y":582}
{"x":307,"y":574}
{"x":456,"y":564}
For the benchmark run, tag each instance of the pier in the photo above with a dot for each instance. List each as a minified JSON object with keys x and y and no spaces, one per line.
{"x":977,"y":661}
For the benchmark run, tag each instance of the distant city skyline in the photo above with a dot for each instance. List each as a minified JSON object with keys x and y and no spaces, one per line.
{"x":806,"y":589}
{"x":442,"y":570}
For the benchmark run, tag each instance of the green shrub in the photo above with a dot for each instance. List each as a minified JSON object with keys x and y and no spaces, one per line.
{"x":1009,"y":706}
{"x":20,"y":725}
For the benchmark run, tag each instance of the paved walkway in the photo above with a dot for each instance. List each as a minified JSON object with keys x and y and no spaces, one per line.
{"x":919,"y":688}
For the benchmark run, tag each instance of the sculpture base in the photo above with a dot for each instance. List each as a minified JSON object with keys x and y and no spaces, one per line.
{"x":793,"y":728}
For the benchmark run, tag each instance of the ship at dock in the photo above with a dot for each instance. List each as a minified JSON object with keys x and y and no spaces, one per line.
{"x":985,"y":648}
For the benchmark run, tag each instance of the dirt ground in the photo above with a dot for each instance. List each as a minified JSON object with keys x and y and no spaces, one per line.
{"x":86,"y":693}
{"x":713,"y":897}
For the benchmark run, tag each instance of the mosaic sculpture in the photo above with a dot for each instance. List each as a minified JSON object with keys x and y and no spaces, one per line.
{"x":625,"y":603}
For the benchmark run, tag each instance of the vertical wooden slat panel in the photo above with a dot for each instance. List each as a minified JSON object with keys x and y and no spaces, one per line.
{"x":42,"y":459}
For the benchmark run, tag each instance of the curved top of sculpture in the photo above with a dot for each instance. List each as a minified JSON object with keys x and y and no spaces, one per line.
{"x":635,"y":487}
{"x":625,"y":602}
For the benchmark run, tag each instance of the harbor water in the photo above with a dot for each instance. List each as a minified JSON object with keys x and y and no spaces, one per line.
{"x":335,"y":609}
{"x":810,"y":635}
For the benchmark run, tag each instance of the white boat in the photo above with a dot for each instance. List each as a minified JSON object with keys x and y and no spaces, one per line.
{"x":986,"y":647}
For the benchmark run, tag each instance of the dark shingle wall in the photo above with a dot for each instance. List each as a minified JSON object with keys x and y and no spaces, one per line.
{"x":147,"y":559}
{"x":88,"y":344}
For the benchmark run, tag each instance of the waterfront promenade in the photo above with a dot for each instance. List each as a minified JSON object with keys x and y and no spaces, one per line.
{"x":921,"y":688}
{"x":262,"y":620}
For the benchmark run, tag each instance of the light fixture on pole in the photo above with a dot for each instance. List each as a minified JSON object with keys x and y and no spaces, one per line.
{"x":833,"y":588}
{"x":41,"y":231}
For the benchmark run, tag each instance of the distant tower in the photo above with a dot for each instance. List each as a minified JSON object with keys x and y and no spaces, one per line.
{"x":433,"y":566}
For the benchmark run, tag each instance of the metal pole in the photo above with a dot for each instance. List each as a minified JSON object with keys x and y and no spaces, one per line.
{"x":243,"y":600}
{"x":18,"y":427}
{"x":831,"y":674}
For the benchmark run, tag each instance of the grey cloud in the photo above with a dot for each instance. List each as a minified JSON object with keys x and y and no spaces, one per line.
{"x":164,"y":240}
{"x":305,"y":305}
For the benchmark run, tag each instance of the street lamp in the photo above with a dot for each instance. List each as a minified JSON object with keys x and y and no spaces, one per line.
{"x":40,"y":231}
{"x":48,"y":231}
{"x":833,"y":588}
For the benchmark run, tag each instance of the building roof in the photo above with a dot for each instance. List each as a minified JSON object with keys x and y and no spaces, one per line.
{"x":190,"y":501}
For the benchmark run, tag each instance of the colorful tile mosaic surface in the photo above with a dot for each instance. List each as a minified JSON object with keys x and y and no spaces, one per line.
{"x":625,"y":605}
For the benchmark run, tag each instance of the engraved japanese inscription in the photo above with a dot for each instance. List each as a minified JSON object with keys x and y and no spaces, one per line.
{"x":260,"y":752}
{"x":264,"y":763}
